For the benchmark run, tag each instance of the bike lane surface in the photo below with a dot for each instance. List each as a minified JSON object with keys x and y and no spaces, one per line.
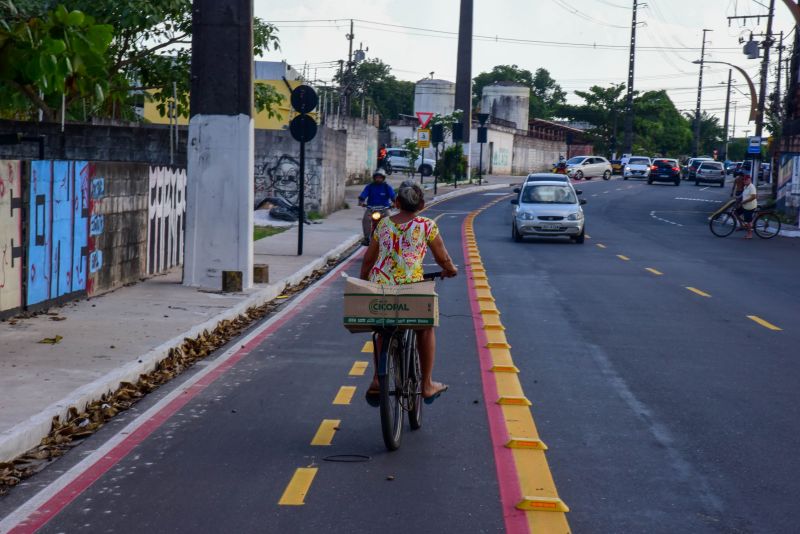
{"x":223,"y":460}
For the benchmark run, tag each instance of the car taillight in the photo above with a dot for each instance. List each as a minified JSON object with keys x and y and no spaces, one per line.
{"x":654,"y":168}
{"x":676,"y":169}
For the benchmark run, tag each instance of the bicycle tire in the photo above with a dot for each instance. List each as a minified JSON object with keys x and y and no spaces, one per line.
{"x":722,"y":224}
{"x":766,"y":225}
{"x":414,"y":381}
{"x":390,"y":395}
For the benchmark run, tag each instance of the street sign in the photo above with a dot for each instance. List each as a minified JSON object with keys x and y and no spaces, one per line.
{"x":424,"y":117}
{"x":304,"y":99}
{"x":754,"y":145}
{"x":423,"y":138}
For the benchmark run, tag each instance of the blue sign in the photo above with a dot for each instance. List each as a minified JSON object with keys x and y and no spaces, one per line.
{"x":754,"y":145}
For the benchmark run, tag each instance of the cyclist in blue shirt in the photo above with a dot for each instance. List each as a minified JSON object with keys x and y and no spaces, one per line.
{"x":377,"y":194}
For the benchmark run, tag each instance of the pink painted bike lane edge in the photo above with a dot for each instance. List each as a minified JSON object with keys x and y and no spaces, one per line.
{"x":516,"y":521}
{"x":55,"y":504}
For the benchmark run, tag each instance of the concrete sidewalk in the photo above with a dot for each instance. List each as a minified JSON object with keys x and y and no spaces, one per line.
{"x":117,"y":336}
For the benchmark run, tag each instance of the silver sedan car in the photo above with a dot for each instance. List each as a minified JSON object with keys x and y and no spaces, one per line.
{"x":545,"y":208}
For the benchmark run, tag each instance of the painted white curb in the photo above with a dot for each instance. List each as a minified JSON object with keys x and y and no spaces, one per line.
{"x":27,"y":434}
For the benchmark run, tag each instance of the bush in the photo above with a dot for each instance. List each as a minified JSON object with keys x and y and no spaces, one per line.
{"x":453,"y":164}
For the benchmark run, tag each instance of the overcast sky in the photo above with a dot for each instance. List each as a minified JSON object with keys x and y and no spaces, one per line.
{"x":318,"y":39}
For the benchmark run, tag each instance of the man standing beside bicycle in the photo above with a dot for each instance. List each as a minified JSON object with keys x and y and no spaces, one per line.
{"x":749,"y":203}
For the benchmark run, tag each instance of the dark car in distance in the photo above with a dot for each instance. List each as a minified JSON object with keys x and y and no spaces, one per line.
{"x":665,"y":170}
{"x":692,"y":166}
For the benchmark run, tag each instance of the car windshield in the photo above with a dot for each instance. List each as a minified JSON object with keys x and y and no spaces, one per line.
{"x":548,"y":194}
{"x":712,"y":165}
{"x":575,"y":161}
{"x":639,"y":161}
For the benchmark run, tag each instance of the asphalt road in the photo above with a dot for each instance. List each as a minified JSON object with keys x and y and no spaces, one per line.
{"x":665,"y":409}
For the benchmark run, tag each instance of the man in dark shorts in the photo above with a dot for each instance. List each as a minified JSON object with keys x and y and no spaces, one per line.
{"x":748,"y":205}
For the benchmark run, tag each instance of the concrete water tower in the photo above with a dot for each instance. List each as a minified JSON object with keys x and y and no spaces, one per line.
{"x":508,"y":101}
{"x":435,"y":96}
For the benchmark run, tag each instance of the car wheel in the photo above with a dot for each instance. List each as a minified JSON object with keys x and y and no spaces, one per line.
{"x":722,"y":183}
{"x":649,"y":181}
{"x":425,"y":170}
{"x":677,"y":181}
{"x":579,"y":175}
{"x":581,"y":238}
{"x":696,"y":182}
{"x":624,"y":177}
{"x":515,"y":233}
{"x":606,"y":175}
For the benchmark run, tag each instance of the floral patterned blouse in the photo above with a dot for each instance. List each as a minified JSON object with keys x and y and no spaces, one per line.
{"x":402,"y":249}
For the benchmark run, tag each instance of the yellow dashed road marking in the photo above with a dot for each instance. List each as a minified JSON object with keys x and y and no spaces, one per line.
{"x":654,"y":271}
{"x":345,"y":395}
{"x":762,"y":322}
{"x":327,"y":429}
{"x":623,"y":258}
{"x":359,"y":368}
{"x":600,"y":245}
{"x":698,"y":292}
{"x":295,"y":493}
{"x":368,"y":347}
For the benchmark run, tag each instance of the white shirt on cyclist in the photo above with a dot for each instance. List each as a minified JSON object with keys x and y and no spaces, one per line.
{"x":749,"y":197}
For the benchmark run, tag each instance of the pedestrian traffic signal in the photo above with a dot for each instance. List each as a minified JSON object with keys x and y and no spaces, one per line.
{"x":437,"y":134}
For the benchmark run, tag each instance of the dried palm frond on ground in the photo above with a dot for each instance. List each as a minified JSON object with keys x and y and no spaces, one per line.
{"x":67,"y":433}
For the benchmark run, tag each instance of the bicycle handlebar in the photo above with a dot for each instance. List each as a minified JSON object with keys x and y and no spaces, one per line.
{"x":432,"y":276}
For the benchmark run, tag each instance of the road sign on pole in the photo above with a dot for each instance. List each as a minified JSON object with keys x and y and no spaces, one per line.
{"x":424,"y":117}
{"x":423,"y":138}
{"x":754,"y":145}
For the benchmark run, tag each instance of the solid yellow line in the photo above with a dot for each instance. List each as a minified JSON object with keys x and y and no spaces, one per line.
{"x":623,"y":258}
{"x":600,"y":245}
{"x":345,"y":395}
{"x":327,"y":428}
{"x":367,"y":347}
{"x":359,"y":368}
{"x":762,"y":322}
{"x":654,"y":271}
{"x":295,"y":493}
{"x":697,"y":291}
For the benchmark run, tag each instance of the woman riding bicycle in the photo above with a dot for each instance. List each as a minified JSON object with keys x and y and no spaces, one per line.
{"x":395,"y":257}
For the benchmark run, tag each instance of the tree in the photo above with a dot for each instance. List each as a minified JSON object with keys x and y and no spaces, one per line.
{"x":373,"y":79}
{"x":659,"y":128}
{"x":712,"y":134}
{"x":604,"y":108}
{"x":149,"y":51}
{"x":45,"y":56}
{"x":546,"y":97}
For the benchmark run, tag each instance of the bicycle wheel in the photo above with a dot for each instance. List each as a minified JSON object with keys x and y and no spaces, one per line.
{"x":722,"y":224}
{"x":391,"y":388}
{"x":414,"y":383}
{"x":767,"y":225}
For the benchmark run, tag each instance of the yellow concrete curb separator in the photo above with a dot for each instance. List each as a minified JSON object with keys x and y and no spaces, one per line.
{"x":545,"y":511}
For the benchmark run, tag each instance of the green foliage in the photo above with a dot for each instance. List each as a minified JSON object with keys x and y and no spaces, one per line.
{"x":546,"y":97}
{"x":712,"y":135}
{"x":447,"y":121}
{"x":453,"y":164}
{"x":146,"y":47}
{"x":604,"y":107}
{"x":737,"y":148}
{"x":49,"y":55}
{"x":373,"y":79}
{"x":413,"y":154}
{"x":658,"y":126}
{"x":260,"y":232}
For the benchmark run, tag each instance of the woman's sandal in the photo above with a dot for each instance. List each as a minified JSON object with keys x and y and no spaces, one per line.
{"x":429,"y":400}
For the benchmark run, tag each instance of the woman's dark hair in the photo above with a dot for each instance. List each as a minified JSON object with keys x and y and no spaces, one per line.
{"x":410,"y":196}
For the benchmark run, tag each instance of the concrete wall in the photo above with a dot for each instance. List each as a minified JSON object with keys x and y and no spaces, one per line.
{"x":535,"y":155}
{"x":498,"y":151}
{"x":509,"y":102}
{"x":75,"y":228}
{"x":362,"y":147}
{"x":277,"y":166}
{"x":90,"y":142}
{"x":11,"y":243}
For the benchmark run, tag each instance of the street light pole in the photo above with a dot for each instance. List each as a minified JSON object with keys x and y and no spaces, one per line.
{"x":699,"y":96}
{"x":727,"y":111}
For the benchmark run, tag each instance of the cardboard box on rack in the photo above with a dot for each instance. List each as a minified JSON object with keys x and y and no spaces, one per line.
{"x":368,"y":305}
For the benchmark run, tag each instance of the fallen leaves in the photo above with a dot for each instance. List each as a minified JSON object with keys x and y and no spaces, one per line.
{"x":51,"y":340}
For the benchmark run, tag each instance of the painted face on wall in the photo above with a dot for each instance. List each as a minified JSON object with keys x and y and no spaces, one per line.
{"x":284,"y":177}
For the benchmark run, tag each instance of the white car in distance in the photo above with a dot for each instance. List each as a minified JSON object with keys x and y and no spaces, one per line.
{"x":637,"y":167}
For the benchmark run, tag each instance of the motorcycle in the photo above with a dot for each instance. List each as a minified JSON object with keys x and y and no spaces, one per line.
{"x":375,"y":213}
{"x":559,"y":168}
{"x":386,"y":165}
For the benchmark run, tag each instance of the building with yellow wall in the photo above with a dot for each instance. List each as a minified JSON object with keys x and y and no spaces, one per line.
{"x":265,"y":72}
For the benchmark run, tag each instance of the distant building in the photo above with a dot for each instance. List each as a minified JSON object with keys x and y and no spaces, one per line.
{"x":265,"y":72}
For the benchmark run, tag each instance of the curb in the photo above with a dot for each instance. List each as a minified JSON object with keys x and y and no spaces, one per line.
{"x":25,"y":435}
{"x":465,"y":191}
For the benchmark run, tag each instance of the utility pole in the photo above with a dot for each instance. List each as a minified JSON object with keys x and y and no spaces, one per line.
{"x":699,"y":97}
{"x":628,"y":143}
{"x":349,"y":73}
{"x":463,"y":96}
{"x":778,"y":100}
{"x":727,"y":110}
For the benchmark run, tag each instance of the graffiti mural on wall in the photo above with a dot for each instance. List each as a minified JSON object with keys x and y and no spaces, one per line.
{"x":10,"y":235}
{"x":58,"y":215}
{"x":166,"y":218}
{"x":278,"y":177}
